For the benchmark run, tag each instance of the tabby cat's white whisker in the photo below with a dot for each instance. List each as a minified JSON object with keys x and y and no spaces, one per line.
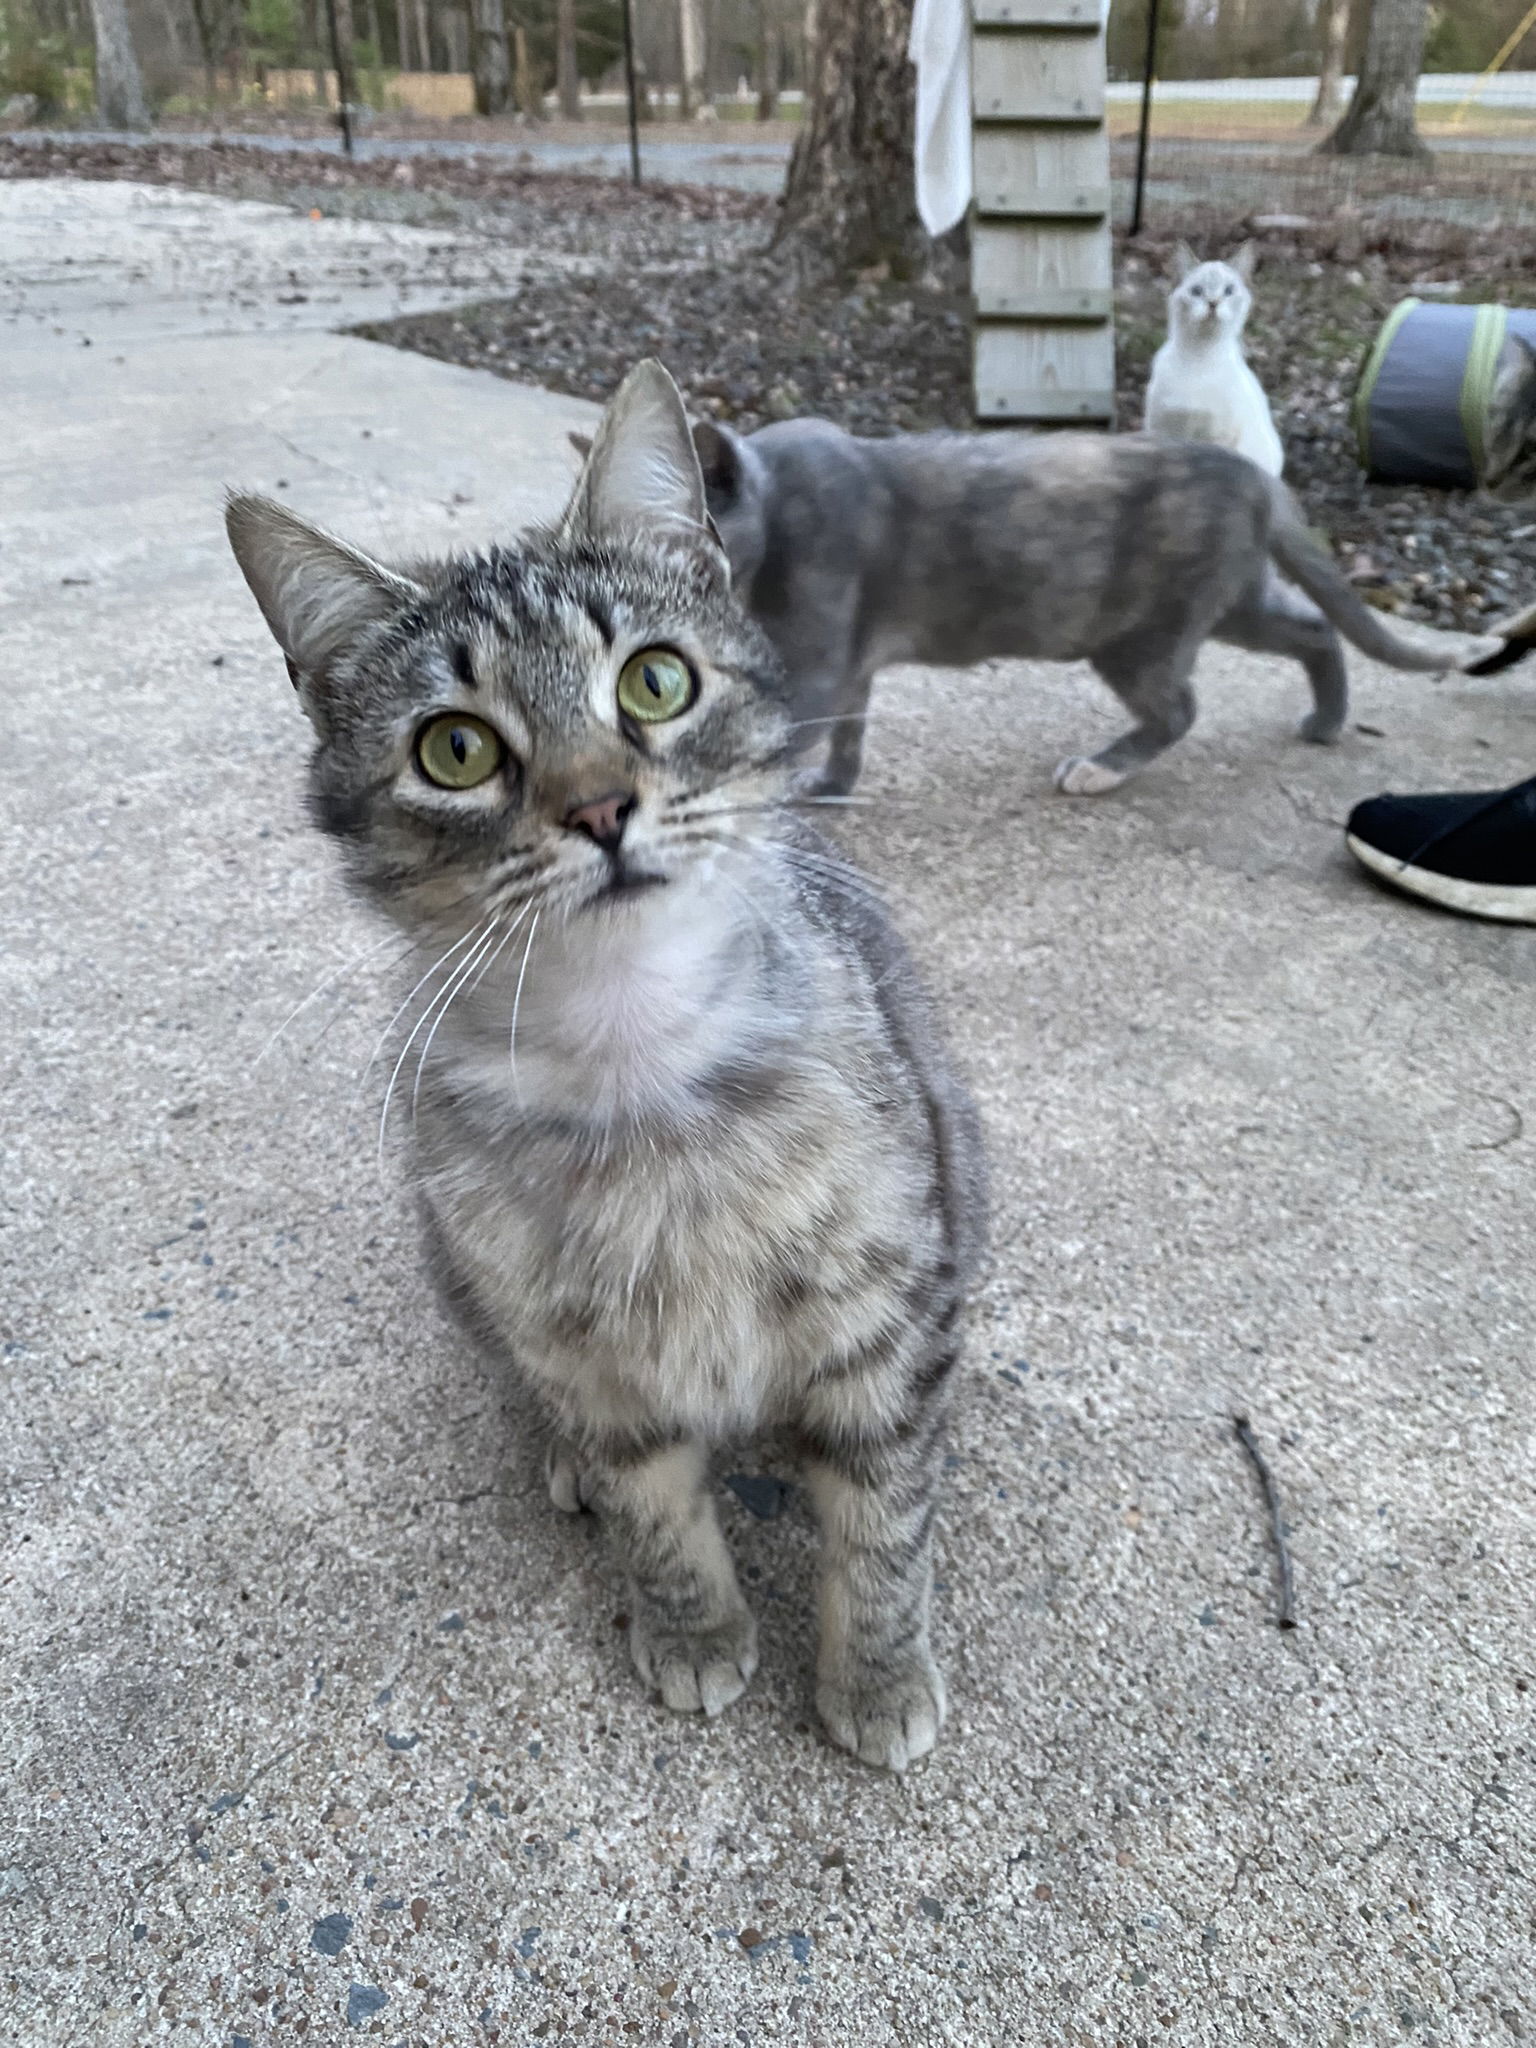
{"x":328,"y":981}
{"x":454,"y":992}
{"x":846,"y":878}
{"x":383,"y":1038}
{"x":517,"y":1003}
{"x":443,"y":997}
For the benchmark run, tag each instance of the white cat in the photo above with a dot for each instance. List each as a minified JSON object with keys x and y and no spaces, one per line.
{"x":1201,"y":387}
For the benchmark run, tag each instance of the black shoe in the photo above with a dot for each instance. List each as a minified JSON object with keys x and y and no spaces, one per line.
{"x":1474,"y":853}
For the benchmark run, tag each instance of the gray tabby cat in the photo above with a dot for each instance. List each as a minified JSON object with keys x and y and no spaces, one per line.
{"x":1125,"y":551}
{"x":1509,"y":436}
{"x":690,"y":1158}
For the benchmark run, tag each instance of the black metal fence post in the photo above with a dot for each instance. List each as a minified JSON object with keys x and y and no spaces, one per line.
{"x":634,"y":95}
{"x":1153,"y":10}
{"x":343,"y":79}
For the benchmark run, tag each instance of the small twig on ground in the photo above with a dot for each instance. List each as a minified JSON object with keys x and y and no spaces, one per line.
{"x":1245,"y":1436}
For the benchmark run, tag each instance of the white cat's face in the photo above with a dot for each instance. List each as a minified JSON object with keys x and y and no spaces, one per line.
{"x":1211,"y":299}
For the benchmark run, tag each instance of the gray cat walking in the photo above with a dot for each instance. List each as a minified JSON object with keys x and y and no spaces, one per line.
{"x":949,"y":549}
{"x":689,"y":1155}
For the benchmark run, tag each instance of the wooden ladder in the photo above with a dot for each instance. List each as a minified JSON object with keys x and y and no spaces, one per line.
{"x":1044,"y":342}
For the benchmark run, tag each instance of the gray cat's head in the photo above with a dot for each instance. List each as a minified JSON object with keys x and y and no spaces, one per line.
{"x":1509,"y":436}
{"x":736,"y":488}
{"x":1211,"y":299}
{"x":571,"y":722}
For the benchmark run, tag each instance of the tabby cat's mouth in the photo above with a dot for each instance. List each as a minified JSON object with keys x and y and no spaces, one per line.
{"x":623,"y":883}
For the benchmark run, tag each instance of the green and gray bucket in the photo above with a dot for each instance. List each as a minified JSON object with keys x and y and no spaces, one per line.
{"x":1421,"y":406}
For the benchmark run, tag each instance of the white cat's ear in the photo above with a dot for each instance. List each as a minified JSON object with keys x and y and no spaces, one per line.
{"x":1184,"y":260}
{"x":643,"y":472}
{"x":582,"y":443}
{"x":316,"y":593}
{"x":1246,"y":261}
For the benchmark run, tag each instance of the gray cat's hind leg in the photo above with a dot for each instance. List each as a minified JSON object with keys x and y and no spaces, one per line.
{"x":845,"y":756}
{"x":691,"y":1634}
{"x":1279,"y":619}
{"x":1156,"y":690}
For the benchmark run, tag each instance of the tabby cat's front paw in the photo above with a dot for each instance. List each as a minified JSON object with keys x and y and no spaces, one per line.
{"x":1078,"y":776}
{"x":699,"y":1670}
{"x":568,"y":1485}
{"x":886,"y":1717}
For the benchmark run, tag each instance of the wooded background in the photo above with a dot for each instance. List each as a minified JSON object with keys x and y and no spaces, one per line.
{"x":1279,"y":38}
{"x":222,"y":50}
{"x":225,"y":50}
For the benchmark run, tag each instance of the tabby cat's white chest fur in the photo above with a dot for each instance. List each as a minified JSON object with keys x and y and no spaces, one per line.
{"x":1201,"y":387}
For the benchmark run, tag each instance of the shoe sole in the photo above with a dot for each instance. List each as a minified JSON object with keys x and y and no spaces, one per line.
{"x":1472,"y":899}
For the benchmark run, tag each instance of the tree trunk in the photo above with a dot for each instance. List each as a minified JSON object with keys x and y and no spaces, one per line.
{"x":567,"y":71}
{"x":1380,"y":120}
{"x":691,"y":93}
{"x":170,"y":20}
{"x":375,"y":34}
{"x":423,"y":37}
{"x":770,"y":59}
{"x":851,"y":196}
{"x":314,"y":36}
{"x":119,"y":87}
{"x":491,"y":69}
{"x":1332,"y":35}
{"x":529,"y":99}
{"x":343,"y":54}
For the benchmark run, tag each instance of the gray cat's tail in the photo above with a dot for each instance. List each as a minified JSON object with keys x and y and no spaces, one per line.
{"x":1298,"y":555}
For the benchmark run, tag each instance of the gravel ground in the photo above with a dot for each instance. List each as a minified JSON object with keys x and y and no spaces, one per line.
{"x":687,"y":273}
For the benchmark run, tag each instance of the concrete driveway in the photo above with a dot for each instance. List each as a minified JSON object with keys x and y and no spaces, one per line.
{"x":319,"y":1723}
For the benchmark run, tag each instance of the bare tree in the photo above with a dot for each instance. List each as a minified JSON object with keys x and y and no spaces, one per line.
{"x":530,"y":100}
{"x":770,"y":58}
{"x":850,"y":198}
{"x":1381,"y":116}
{"x":343,"y":51}
{"x":119,"y":85}
{"x":567,"y":70}
{"x":493,"y":72}
{"x":1332,"y":35}
{"x":691,"y":89}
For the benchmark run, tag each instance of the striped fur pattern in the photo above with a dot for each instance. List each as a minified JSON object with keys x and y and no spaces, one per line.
{"x":690,"y":1158}
{"x":1509,"y":438}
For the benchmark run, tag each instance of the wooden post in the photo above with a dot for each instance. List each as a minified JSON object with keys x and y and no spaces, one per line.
{"x":1040,"y":247}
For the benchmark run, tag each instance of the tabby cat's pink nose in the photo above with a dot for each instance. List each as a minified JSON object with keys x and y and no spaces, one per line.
{"x":603,"y":819}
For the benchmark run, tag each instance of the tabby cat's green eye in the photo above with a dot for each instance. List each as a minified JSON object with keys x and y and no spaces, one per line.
{"x":655,"y":685}
{"x":458,"y":753}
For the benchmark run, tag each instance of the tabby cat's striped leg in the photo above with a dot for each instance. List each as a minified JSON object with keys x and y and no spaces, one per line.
{"x":877,"y":1687}
{"x":691,"y":1634}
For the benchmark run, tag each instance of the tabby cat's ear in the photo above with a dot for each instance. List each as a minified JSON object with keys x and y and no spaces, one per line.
{"x":642,"y":475}
{"x":316,"y":592}
{"x":1184,"y":260}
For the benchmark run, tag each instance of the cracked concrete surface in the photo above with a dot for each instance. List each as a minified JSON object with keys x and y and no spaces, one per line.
{"x":319,"y":1723}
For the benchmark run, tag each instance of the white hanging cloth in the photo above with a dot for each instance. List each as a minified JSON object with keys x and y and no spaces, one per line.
{"x":940,"y":47}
